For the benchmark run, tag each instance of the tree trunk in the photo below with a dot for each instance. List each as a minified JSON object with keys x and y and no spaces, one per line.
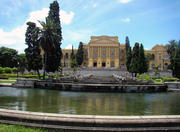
{"x":135,"y":74}
{"x":39,"y":74}
{"x":45,"y":60}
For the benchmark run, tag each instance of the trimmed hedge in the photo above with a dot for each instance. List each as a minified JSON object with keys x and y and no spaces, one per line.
{"x":3,"y":77}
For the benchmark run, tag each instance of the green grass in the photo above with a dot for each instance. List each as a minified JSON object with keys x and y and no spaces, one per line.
{"x":15,"y":128}
{"x":7,"y":81}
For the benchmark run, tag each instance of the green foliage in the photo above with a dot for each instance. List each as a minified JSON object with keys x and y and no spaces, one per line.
{"x":15,"y":69}
{"x":34,"y":59}
{"x":140,"y":76}
{"x":143,"y":65}
{"x":48,"y":40}
{"x":3,"y":77}
{"x":74,"y":63}
{"x":54,"y":56}
{"x":158,"y":81}
{"x":127,"y":44}
{"x":15,"y":128}
{"x":176,"y":62}
{"x":8,"y":57}
{"x":7,"y":70}
{"x":128,"y":59}
{"x":170,"y":79}
{"x":172,"y":49}
{"x":80,"y":53}
{"x":147,"y":77}
{"x":144,"y":76}
{"x":22,"y":60}
{"x":134,"y":66}
{"x":1,"y":70}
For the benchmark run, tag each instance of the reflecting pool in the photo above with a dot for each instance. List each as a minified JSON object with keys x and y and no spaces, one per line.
{"x":84,"y":103}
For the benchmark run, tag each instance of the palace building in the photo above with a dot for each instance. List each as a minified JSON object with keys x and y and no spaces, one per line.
{"x":107,"y":52}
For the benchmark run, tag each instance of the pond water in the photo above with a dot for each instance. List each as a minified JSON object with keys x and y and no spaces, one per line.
{"x":84,"y":103}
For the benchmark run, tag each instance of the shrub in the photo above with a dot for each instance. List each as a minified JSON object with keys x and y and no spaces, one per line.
{"x":170,"y":79}
{"x":147,"y":77}
{"x":14,"y":69}
{"x":140,"y":76}
{"x":30,"y":76}
{"x":158,"y":81}
{"x":1,"y":70}
{"x":7,"y":70}
{"x":3,"y":77}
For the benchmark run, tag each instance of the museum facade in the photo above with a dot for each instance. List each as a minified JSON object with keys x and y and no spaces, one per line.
{"x":107,"y":52}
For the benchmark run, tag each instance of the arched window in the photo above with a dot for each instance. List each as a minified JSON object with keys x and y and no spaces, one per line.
{"x":153,"y":56}
{"x":66,"y":55}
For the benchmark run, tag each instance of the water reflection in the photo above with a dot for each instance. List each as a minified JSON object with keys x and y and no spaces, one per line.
{"x":90,"y":103}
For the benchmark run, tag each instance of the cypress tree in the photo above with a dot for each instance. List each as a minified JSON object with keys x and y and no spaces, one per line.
{"x":127,"y":44}
{"x":79,"y":55}
{"x":176,"y":60}
{"x":73,"y":59}
{"x":54,"y":56}
{"x":34,"y":59}
{"x":143,"y":66}
{"x":128,"y":59}
{"x":134,"y":66}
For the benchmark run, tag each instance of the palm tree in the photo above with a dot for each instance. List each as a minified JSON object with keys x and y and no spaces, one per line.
{"x":48,"y":38}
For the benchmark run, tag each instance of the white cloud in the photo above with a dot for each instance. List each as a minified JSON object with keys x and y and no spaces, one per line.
{"x":40,"y":15}
{"x":124,"y":1}
{"x":69,"y":46}
{"x":16,"y":37}
{"x":126,"y":20}
{"x":65,"y":17}
{"x":95,"y":5}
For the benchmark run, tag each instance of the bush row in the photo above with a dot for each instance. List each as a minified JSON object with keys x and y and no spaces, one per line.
{"x":8,"y":70}
{"x":158,"y":79}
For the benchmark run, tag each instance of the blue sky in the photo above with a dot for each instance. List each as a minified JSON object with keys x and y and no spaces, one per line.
{"x":146,"y":21}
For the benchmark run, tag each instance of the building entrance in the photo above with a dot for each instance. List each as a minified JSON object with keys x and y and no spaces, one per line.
{"x":95,"y":64}
{"x":103,"y":64}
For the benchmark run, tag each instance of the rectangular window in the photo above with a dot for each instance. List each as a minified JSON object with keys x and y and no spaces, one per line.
{"x":95,"y":52}
{"x":112,"y":52}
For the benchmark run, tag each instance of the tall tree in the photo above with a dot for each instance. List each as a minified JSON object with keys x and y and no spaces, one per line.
{"x":143,"y":65}
{"x":54,"y":57}
{"x":34,"y":59}
{"x":80,"y":53}
{"x":176,"y":61}
{"x":8,"y":57}
{"x":128,"y":59}
{"x":73,"y":59}
{"x":134,"y":66}
{"x":48,"y":39}
{"x":22,"y":62}
{"x":171,"y":50}
{"x":127,"y":44}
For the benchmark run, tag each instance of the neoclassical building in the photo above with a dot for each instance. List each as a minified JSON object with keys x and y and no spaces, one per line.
{"x":107,"y":52}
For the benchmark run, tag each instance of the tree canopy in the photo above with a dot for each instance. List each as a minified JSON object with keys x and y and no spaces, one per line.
{"x":172,"y":47}
{"x":128,"y":58}
{"x":80,"y":53}
{"x":48,"y":39}
{"x":34,"y":59}
{"x":136,"y":61}
{"x":54,"y":57}
{"x":127,"y":43}
{"x":8,"y":57}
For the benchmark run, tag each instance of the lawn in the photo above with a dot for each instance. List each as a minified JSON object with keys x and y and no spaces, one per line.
{"x":7,"y":81}
{"x":14,"y":128}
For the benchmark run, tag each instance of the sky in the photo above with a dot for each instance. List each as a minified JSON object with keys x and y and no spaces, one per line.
{"x":149,"y":22}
